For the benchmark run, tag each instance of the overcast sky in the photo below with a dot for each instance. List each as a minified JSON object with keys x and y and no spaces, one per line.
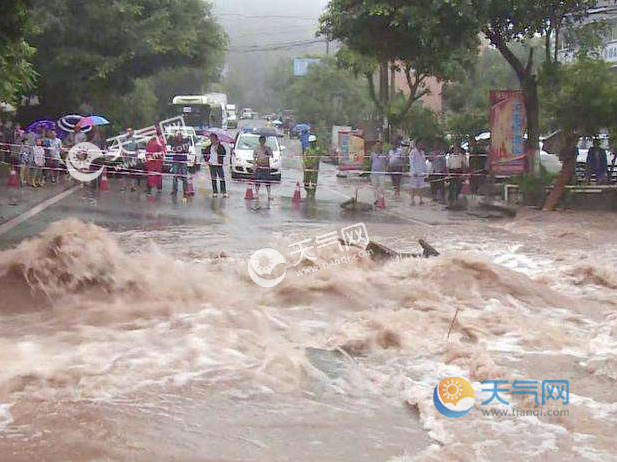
{"x":276,"y":21}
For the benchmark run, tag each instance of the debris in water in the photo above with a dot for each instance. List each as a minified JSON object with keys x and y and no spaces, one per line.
{"x":380,"y":252}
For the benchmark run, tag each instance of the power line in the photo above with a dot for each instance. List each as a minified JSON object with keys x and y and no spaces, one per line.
{"x":275,"y":46}
{"x":276,"y":32}
{"x":249,"y":16}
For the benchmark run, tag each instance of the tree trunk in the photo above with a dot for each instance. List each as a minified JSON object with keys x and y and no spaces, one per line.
{"x":392,"y":82}
{"x":532,"y":107}
{"x":385,"y":73}
{"x":567,"y":154}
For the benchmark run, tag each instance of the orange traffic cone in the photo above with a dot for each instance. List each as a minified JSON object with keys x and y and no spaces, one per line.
{"x":297,"y":196}
{"x":381,"y":203}
{"x":249,"y":192}
{"x":104,"y":185}
{"x":190,"y":190}
{"x":13,"y":179}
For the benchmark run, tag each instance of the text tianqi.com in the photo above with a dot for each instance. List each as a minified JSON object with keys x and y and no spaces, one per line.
{"x":264,"y":262}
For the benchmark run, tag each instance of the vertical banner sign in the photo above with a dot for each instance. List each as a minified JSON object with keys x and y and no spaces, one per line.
{"x":508,"y":126}
{"x":351,"y":145}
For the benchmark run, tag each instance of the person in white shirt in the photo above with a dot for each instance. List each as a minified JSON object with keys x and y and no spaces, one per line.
{"x":418,"y":171}
{"x":396,"y":163}
{"x":79,"y":137}
{"x":54,"y":154}
{"x":38,"y":158}
{"x":457,"y":165}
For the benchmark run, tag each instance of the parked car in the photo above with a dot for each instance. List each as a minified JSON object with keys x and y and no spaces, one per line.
{"x":247,"y":113}
{"x":242,"y":161}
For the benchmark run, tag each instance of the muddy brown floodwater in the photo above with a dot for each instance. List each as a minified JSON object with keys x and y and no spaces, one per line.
{"x":110,"y":352}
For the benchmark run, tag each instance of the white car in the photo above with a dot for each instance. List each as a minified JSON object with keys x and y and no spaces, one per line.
{"x":247,"y":113}
{"x":232,"y":120}
{"x":242,"y":160}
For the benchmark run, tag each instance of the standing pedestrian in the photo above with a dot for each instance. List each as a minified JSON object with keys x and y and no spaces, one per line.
{"x":379,"y":167}
{"x":304,"y":139}
{"x":457,"y":165}
{"x":134,"y":166}
{"x":155,"y":157}
{"x":179,"y":146}
{"x":396,"y":163}
{"x":214,"y":156}
{"x":262,"y":155}
{"x":79,"y":136}
{"x":437,"y":177}
{"x":311,"y":160}
{"x":418,"y":171}
{"x":597,"y":163}
{"x":38,"y":159}
{"x":25,"y":160}
{"x":54,"y":149}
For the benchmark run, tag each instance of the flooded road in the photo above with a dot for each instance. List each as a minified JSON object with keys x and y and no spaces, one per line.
{"x":142,"y":337}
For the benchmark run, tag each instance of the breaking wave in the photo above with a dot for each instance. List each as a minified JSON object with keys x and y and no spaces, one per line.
{"x":87,"y":319}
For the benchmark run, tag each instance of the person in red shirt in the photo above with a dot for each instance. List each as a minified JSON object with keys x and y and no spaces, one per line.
{"x":155,"y":156}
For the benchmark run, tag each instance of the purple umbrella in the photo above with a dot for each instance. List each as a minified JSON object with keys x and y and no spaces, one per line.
{"x":224,"y":137}
{"x":46,"y":124}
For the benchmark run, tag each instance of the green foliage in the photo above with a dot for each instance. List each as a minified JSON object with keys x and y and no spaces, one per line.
{"x":328,"y":95}
{"x":16,"y":72}
{"x":585,"y":99}
{"x":417,"y":37}
{"x":423,"y":123}
{"x":428,"y":36}
{"x":533,"y":187}
{"x":91,"y":52}
{"x":134,"y":109}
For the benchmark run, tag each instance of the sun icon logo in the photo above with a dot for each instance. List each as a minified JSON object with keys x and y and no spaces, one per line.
{"x":261,"y":267}
{"x":451,"y":390}
{"x":454,"y":397}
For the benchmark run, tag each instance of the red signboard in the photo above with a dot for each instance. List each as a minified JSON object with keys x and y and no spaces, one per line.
{"x":508,"y":120}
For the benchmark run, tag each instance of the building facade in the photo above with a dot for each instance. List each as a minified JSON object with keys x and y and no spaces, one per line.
{"x":604,"y":11}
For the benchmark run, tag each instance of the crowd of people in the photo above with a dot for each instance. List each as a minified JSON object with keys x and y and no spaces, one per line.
{"x":37,"y":154}
{"x":441,"y":171}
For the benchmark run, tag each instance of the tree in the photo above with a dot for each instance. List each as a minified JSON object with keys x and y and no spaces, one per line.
{"x":415,"y":37}
{"x":16,"y":72}
{"x":327,"y":96}
{"x":585,"y":103}
{"x":518,"y":20}
{"x":466,"y":99}
{"x":91,"y":52}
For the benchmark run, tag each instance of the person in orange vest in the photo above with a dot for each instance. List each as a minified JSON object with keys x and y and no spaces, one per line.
{"x":155,"y":156}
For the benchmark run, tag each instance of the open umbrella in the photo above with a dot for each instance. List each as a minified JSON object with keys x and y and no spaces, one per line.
{"x":91,"y":120}
{"x":300,"y":128}
{"x":68,"y":122}
{"x":224,"y":137}
{"x":46,"y":124}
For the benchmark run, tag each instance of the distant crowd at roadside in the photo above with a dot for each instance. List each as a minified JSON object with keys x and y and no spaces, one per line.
{"x":443,"y":171}
{"x":37,"y":154}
